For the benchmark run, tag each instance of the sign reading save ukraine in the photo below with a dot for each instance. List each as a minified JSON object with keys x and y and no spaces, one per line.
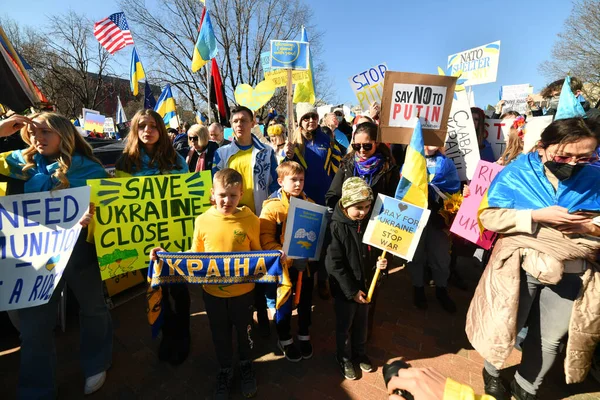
{"x":289,"y":54}
{"x":478,"y":65}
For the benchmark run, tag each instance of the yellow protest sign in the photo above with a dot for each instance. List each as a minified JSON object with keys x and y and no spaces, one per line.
{"x":3,"y":188}
{"x":135,"y":214}
{"x":254,"y":98}
{"x":279,"y":77}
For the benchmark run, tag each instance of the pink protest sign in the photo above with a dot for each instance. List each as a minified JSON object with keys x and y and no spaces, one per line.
{"x":465,"y":224}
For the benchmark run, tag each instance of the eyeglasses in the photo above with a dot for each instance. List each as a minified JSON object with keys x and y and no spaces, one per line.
{"x":310,"y":116}
{"x":578,"y":160}
{"x":280,"y":145}
{"x":365,"y":146}
{"x":193,"y":138}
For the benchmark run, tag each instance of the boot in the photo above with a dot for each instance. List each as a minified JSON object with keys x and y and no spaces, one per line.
{"x":441,"y":293}
{"x":493,"y":386}
{"x":419,"y":299}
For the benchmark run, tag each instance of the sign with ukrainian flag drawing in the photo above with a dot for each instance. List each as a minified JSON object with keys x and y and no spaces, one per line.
{"x":38,"y":232}
{"x":478,"y":65}
{"x":134,"y":215}
{"x":305,"y":230}
{"x":289,"y":54}
{"x":396,"y":226}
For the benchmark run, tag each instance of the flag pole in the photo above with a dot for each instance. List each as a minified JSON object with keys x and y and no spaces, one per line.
{"x":374,"y":281}
{"x":290,"y":106}
{"x":208,"y":93}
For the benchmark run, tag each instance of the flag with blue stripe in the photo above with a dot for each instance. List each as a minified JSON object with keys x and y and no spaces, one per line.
{"x":206,"y":45}
{"x":165,"y":105}
{"x":412,"y":187}
{"x":136,"y":72}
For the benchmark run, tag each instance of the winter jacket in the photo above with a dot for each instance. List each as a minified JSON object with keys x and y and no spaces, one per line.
{"x":192,"y":157}
{"x":263,"y":166}
{"x":348,"y":259}
{"x":385,"y":182}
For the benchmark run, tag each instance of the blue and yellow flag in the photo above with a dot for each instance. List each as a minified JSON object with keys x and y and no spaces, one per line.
{"x":412,"y":187}
{"x":305,"y":91}
{"x":136,"y":72}
{"x":206,"y":45}
{"x":166,"y":106}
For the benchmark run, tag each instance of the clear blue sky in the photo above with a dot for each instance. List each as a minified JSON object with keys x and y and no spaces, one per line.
{"x":412,"y":36}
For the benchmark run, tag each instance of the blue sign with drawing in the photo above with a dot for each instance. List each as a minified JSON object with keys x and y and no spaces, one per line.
{"x":289,"y":54}
{"x":305,"y":230}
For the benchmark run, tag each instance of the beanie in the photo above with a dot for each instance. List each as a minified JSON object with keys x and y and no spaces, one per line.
{"x":355,"y":190}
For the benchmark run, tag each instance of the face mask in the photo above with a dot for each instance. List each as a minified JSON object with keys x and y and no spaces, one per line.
{"x":340,"y":119}
{"x":563,"y":171}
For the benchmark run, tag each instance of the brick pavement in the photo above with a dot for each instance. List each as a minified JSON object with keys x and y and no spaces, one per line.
{"x":431,"y":338}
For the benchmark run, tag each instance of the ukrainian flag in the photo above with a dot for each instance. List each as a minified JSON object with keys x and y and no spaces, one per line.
{"x":136,"y":72}
{"x":305,"y":91}
{"x":166,"y":106}
{"x":413,"y":182}
{"x":206,"y":45}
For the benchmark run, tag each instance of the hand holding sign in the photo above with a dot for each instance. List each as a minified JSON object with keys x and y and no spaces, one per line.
{"x":254,"y":98}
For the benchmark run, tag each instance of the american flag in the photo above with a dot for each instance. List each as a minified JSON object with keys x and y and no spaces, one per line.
{"x":113,"y":32}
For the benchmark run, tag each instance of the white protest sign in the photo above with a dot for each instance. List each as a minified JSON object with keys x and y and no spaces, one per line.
{"x":515,"y":97}
{"x":496,"y":132}
{"x":322,"y":110}
{"x":461,"y":141}
{"x":533,"y":131}
{"x":368,"y":85}
{"x":478,"y":65}
{"x":37,"y":234}
{"x":411,"y":100}
{"x":109,"y":125}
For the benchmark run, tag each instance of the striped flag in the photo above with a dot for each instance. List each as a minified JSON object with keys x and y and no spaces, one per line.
{"x":166,"y":107}
{"x":136,"y":72}
{"x":121,"y":117}
{"x":305,"y":92}
{"x":113,"y":32}
{"x":413,"y":185}
{"x":206,"y":45}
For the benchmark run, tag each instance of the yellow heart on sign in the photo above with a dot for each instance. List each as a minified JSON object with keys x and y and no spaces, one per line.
{"x":254,"y":98}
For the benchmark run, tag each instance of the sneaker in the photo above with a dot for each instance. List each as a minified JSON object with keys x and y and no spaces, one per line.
{"x":365,"y":364}
{"x":94,"y":382}
{"x":224,"y":381}
{"x":519,"y":393}
{"x":289,"y":350}
{"x":441,"y":293}
{"x":249,"y":387}
{"x":347,"y":368}
{"x":306,"y":348}
{"x":493,"y":386}
{"x":419,"y":299}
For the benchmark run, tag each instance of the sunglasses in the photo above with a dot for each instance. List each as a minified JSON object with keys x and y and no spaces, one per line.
{"x":578,"y":160}
{"x":365,"y":146}
{"x":193,"y":138}
{"x":310,"y":116}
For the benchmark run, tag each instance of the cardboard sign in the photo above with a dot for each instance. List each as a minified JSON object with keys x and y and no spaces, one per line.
{"x":407,"y":95}
{"x":109,"y":125}
{"x":368,"y":85}
{"x":279,"y":77}
{"x":515,"y":97}
{"x":396,"y":226}
{"x":38,"y":232}
{"x":465,"y":224}
{"x":533,"y":131}
{"x":94,"y":122}
{"x":496,"y":132}
{"x":305,"y":230}
{"x":134,"y":215}
{"x":461,"y":142}
{"x":478,"y":65}
{"x":289,"y":54}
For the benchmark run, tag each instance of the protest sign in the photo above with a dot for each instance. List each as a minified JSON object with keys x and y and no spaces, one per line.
{"x":305,"y":230}
{"x":289,"y":54}
{"x":322,"y":110}
{"x":478,"y":65}
{"x":396,"y":226}
{"x":407,"y":95}
{"x":254,"y":98}
{"x":368,"y":85}
{"x":515,"y":97}
{"x":461,"y":142}
{"x":134,"y":215}
{"x":496,"y":132}
{"x":3,"y":186}
{"x":94,"y":122}
{"x":109,"y":125}
{"x":465,"y":223}
{"x":265,"y":60}
{"x":533,"y":131}
{"x":38,"y":232}
{"x":279,"y":77}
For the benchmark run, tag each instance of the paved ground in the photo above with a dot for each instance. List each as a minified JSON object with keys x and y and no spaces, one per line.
{"x":430,"y":338}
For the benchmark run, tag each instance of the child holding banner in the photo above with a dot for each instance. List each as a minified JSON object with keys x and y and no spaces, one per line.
{"x":347,"y":263}
{"x":149,"y":152}
{"x":273,"y":219}
{"x":59,"y":158}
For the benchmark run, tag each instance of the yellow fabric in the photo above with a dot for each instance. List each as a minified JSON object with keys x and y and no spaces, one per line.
{"x":197,"y":61}
{"x":242,"y":163}
{"x":457,"y":391}
{"x":415,"y":170}
{"x":215,"y":232}
{"x":4,"y":167}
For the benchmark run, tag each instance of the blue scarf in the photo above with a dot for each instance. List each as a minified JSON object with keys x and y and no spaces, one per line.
{"x":368,"y":168}
{"x":40,"y":179}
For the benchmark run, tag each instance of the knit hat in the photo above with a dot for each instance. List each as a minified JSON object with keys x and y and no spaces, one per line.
{"x":355,"y":190}
{"x":304,"y":108}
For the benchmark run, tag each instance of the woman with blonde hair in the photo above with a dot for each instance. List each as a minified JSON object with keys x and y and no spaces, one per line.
{"x":276,"y":133}
{"x":514,"y":148}
{"x":59,"y":158}
{"x":202,"y":150}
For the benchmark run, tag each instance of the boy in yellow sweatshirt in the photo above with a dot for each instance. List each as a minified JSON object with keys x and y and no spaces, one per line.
{"x":290,"y":176}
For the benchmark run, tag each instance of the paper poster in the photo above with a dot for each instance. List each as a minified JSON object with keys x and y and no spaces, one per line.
{"x":533,"y":131}
{"x":279,"y":77}
{"x":478,"y":65}
{"x":38,"y":232}
{"x":396,"y":226}
{"x":461,"y":142}
{"x":322,"y":110}
{"x":289,"y":54}
{"x":407,"y":95}
{"x":465,"y":223}
{"x":305,"y":230}
{"x":254,"y":97}
{"x":515,"y":97}
{"x":109,"y":125}
{"x":496,"y":132}
{"x":94,"y":122}
{"x":134,"y":215}
{"x":265,"y":61}
{"x":368,"y":85}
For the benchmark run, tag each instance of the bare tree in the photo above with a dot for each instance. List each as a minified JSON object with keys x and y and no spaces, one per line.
{"x":577,"y":50}
{"x":243,"y":29}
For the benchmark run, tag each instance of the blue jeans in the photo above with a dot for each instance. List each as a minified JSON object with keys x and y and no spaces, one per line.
{"x":547,"y":311}
{"x":37,"y":374}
